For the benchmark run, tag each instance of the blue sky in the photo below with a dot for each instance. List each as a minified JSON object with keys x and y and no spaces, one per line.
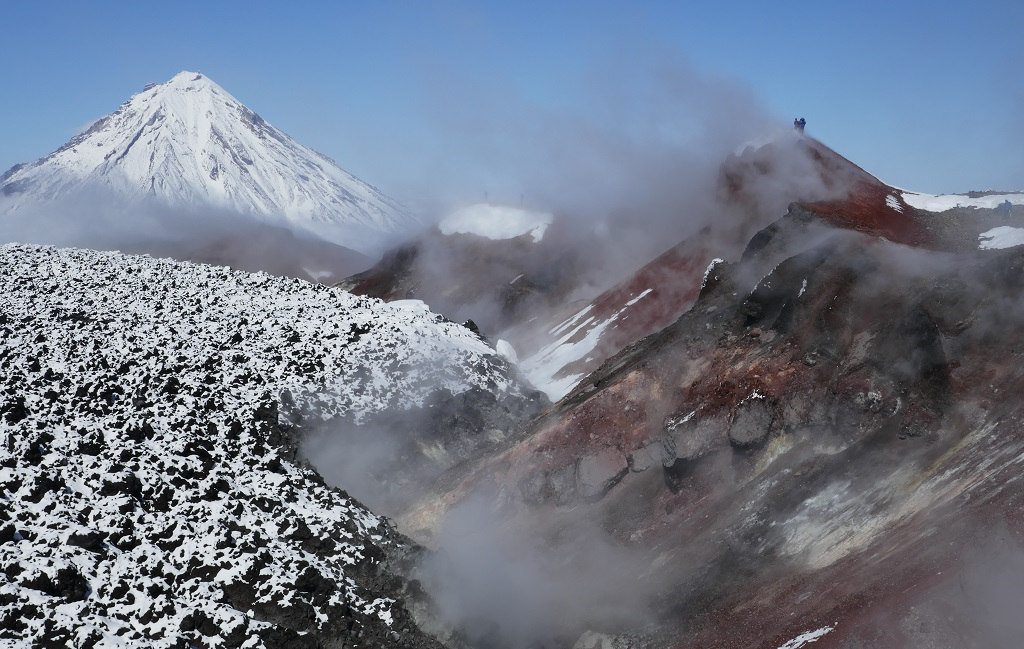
{"x":411,"y":94}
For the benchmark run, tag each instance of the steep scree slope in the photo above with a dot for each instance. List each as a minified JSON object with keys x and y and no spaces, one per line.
{"x":149,"y":491}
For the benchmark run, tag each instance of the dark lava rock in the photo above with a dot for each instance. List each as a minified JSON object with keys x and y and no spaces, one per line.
{"x":91,"y":541}
{"x":67,"y":583}
{"x":752,"y":422}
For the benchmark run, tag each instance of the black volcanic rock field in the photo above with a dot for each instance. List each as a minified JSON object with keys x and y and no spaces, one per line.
{"x":149,"y":417}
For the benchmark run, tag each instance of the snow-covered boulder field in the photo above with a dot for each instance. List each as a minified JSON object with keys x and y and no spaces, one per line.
{"x":149,"y":491}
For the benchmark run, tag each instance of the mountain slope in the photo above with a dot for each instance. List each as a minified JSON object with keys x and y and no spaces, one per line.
{"x":842,"y":195}
{"x":189,"y":144}
{"x":837,"y":440}
{"x":534,"y":300}
{"x":649,"y":300}
{"x":149,"y":412}
{"x":557,"y":355}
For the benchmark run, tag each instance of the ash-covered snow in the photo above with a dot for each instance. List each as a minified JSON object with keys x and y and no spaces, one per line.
{"x":149,"y":491}
{"x":496,"y":222}
{"x":188,"y":143}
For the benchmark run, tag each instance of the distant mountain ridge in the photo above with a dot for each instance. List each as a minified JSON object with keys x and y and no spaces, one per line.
{"x":189,"y":143}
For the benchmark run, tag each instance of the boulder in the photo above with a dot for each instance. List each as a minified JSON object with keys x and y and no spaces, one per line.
{"x":752,"y":421}
{"x":597,"y":474}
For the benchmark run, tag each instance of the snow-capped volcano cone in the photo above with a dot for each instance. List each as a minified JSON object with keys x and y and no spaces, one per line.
{"x":188,"y":143}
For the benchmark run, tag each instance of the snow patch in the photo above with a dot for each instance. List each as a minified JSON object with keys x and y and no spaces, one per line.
{"x":893,"y":203}
{"x":675,"y":423}
{"x":807,"y":638}
{"x":507,"y":351}
{"x":544,"y":367}
{"x":707,"y":271}
{"x":496,"y":222}
{"x":1003,"y":236}
{"x":638,"y":297}
{"x":557,"y":331}
{"x":411,"y":306}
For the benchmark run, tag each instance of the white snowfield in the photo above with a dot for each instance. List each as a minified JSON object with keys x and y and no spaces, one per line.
{"x":187,"y":142}
{"x":496,"y":222}
{"x":146,"y":495}
{"x":943,"y":202}
{"x":1003,"y":236}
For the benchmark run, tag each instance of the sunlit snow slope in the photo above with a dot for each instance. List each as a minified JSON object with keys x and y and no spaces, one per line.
{"x":187,"y":142}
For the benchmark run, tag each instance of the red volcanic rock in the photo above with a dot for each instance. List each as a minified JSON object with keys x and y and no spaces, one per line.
{"x":878,"y":210}
{"x":837,"y":190}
